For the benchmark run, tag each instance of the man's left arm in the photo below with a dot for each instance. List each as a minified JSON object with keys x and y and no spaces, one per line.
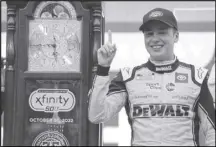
{"x":206,"y":113}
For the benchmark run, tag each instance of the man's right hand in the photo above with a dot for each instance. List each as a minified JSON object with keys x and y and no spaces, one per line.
{"x":107,"y":52}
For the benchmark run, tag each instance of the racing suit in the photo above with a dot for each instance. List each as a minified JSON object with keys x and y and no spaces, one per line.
{"x":165,"y":104}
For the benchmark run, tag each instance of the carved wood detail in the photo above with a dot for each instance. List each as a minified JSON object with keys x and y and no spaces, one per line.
{"x":97,"y":34}
{"x":11,"y":28}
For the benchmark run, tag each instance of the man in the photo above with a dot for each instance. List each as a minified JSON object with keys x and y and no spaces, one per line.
{"x":165,"y":99}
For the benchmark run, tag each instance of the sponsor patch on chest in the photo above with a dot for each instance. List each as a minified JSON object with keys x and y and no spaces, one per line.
{"x":181,"y":77}
{"x":145,"y":76}
{"x":161,"y":110}
{"x":153,"y":87}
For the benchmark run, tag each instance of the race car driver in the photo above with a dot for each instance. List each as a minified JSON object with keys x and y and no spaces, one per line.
{"x":166,"y":100}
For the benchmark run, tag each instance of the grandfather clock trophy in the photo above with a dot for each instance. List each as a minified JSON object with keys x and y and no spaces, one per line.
{"x":51,"y":60}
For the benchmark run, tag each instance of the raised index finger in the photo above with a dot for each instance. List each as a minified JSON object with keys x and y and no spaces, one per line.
{"x":110,"y":36}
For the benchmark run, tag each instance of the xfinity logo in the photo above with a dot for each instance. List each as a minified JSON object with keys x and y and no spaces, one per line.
{"x":164,"y":68}
{"x":52,"y":100}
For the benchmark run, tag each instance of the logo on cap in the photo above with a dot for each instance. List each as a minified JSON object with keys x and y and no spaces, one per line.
{"x":156,"y":14}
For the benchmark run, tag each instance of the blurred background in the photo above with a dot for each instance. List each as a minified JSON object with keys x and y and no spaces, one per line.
{"x":196,"y":44}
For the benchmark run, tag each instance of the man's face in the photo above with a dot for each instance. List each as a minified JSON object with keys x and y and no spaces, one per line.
{"x":159,"y":40}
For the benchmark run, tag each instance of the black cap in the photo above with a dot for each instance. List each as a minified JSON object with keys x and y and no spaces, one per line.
{"x":160,"y":14}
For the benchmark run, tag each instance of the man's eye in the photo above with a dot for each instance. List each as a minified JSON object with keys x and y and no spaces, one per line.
{"x":161,"y":32}
{"x":148,"y":33}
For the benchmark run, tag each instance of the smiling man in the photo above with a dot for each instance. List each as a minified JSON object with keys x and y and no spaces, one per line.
{"x":167,"y":101}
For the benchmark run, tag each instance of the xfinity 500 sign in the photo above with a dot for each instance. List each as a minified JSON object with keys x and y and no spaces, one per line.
{"x":52,"y":100}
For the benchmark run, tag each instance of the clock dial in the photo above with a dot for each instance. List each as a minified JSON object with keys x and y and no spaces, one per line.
{"x":54,"y":45}
{"x":54,"y":38}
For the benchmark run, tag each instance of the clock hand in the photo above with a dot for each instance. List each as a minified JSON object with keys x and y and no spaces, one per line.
{"x":55,"y":54}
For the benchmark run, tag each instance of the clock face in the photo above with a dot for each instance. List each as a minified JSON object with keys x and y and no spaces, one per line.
{"x":54,"y":44}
